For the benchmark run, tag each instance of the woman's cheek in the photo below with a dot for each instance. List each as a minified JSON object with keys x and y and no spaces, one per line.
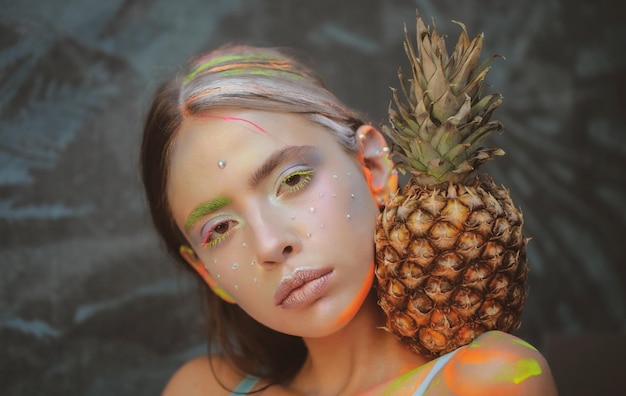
{"x":234,"y":269}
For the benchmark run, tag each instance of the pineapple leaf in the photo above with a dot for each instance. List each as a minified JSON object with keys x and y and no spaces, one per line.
{"x":441,"y":118}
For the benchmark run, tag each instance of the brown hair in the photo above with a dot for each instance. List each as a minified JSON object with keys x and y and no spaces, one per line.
{"x":242,"y":77}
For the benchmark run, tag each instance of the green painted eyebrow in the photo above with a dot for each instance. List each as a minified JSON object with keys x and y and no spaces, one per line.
{"x":204,"y":209}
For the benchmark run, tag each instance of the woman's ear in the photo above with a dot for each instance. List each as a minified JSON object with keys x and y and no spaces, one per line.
{"x":194,"y":261}
{"x":377,"y":164}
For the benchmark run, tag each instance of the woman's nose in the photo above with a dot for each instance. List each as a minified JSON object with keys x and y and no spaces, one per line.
{"x":275,"y":236}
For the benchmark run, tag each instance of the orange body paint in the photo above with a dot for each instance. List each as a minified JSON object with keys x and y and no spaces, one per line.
{"x":349,"y":312}
{"x":507,"y":370}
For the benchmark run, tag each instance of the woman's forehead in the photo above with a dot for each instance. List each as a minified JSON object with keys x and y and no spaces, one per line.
{"x":250,"y":127}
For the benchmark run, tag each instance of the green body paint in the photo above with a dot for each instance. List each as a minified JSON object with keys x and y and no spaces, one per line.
{"x":520,"y":371}
{"x":225,"y":59}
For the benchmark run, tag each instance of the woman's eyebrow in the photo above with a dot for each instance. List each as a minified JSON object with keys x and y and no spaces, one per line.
{"x":204,"y":209}
{"x":275,"y":159}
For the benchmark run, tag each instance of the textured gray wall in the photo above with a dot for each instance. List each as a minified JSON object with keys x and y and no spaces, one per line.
{"x":90,"y":305}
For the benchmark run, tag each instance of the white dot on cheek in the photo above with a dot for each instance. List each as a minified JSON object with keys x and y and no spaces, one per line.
{"x":235,"y":266}
{"x":312,"y":210}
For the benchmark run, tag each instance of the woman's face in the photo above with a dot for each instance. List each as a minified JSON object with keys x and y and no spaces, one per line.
{"x":280,"y":215}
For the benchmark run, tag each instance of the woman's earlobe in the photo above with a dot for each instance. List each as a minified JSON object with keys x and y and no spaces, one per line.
{"x":193,"y":260}
{"x":377,"y":164}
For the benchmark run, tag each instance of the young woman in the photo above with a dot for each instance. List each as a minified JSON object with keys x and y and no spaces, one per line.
{"x":267,"y":188}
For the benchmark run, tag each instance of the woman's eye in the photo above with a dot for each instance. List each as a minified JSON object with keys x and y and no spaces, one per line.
{"x":295,"y":181}
{"x":218,"y":233}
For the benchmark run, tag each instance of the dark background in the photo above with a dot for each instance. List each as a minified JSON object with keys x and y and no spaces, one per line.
{"x":90,"y":305}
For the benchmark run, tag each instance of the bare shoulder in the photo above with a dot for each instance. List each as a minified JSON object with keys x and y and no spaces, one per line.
{"x":496,"y":363}
{"x":197,"y":377}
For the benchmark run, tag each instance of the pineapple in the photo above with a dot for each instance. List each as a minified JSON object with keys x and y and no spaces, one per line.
{"x":450,"y":253}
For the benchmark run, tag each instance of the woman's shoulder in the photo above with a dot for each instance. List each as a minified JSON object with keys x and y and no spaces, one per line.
{"x":203,"y":375}
{"x":495,"y":363}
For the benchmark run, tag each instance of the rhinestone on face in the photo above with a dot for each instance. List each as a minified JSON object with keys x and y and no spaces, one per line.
{"x":221,"y":164}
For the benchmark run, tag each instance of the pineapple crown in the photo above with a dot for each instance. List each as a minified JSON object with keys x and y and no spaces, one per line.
{"x":436,"y":134}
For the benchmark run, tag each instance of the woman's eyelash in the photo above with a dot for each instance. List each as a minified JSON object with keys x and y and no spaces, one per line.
{"x":208,"y":243}
{"x":297,"y":180}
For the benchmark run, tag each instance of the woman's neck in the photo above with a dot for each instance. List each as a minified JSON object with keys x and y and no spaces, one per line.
{"x":356,"y":358}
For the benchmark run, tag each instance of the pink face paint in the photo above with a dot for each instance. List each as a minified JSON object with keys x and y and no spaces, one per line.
{"x":256,"y":126}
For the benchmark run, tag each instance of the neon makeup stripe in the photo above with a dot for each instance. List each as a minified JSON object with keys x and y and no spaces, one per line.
{"x":204,"y":209}
{"x":257,"y":64}
{"x":223,"y":59}
{"x":256,"y":126}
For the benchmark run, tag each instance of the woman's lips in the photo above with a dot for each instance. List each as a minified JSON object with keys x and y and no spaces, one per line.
{"x":301,"y":287}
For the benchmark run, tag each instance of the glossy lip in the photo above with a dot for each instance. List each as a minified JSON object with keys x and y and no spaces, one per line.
{"x":301,"y":286}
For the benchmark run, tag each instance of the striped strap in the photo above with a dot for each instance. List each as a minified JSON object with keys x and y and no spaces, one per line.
{"x":246,"y":385}
{"x":439,"y":363}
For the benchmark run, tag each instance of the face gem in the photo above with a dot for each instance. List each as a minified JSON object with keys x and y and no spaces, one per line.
{"x":221,"y":164}
{"x":235,"y":266}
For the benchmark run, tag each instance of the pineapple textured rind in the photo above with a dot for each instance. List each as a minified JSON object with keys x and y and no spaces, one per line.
{"x":450,"y":251}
